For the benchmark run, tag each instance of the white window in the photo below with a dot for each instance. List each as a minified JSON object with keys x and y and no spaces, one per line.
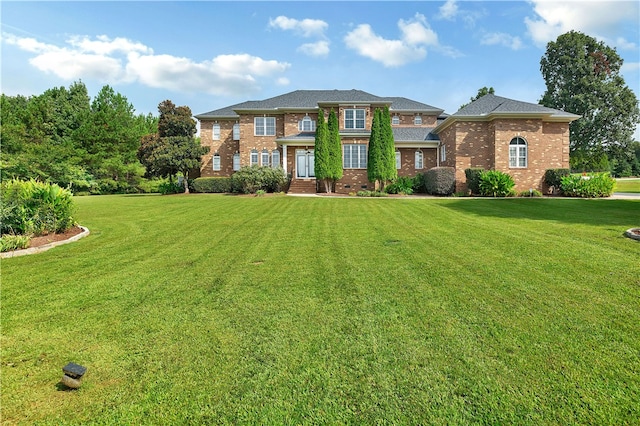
{"x":264,"y":126}
{"x":518,"y":153}
{"x":236,"y":161}
{"x":443,"y":153}
{"x":417,"y":120}
{"x":236,"y":132}
{"x":354,"y":156}
{"x":398,"y":160}
{"x":395,"y":120}
{"x":419,"y":160}
{"x":354,"y":118}
{"x":264,"y":158}
{"x":254,"y":157}
{"x":307,"y":125}
{"x":215,"y":133}
{"x":275,"y":158}
{"x":216,"y":161}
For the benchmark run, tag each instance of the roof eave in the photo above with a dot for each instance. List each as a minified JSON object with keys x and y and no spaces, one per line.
{"x":544,"y":116}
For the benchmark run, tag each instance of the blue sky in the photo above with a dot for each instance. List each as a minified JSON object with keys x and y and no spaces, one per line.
{"x":208,"y":55}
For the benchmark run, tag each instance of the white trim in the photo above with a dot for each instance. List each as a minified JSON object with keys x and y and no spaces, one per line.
{"x":284,"y":158}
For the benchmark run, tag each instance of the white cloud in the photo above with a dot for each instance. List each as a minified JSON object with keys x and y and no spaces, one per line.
{"x":600,"y":19}
{"x":622,"y":43}
{"x":628,"y":67}
{"x":306,"y":27}
{"x":416,"y":36}
{"x":283,"y":81}
{"x":318,"y":49}
{"x":503,"y":39}
{"x":121,"y":60}
{"x":449,"y":10}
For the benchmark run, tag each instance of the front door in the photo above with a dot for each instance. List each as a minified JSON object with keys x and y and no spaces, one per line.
{"x":305,"y":163}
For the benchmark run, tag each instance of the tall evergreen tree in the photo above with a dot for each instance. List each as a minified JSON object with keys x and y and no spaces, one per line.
{"x":335,"y":149}
{"x":582,"y":76}
{"x":388,"y":148}
{"x":375,"y":163}
{"x":322,"y":162}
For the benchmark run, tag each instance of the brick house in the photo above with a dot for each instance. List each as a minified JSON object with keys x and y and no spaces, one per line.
{"x":519,"y":138}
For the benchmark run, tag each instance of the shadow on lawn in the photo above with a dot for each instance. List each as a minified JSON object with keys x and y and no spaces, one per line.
{"x":623,"y":213}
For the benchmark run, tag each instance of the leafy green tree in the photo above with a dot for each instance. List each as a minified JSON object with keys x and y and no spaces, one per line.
{"x":335,"y":149}
{"x":174,"y":148}
{"x":582,"y":76}
{"x":481,"y":92}
{"x":321,"y":153}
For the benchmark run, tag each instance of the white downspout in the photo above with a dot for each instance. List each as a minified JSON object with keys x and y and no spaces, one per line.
{"x":284,"y":158}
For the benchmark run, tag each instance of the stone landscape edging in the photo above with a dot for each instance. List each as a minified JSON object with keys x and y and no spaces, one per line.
{"x":34,"y":250}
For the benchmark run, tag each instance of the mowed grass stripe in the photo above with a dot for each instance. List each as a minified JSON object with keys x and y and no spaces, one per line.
{"x":222,"y":309}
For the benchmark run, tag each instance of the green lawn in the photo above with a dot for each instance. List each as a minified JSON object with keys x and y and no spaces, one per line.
{"x":283,"y":310}
{"x":628,"y":185}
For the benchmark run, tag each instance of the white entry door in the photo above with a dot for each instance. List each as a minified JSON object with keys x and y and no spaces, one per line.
{"x":305,"y":166}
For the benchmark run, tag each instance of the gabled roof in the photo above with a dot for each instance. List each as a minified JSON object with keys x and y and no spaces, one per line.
{"x":313,"y":99}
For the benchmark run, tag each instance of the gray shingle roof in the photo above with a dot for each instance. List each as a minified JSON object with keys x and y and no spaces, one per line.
{"x":311,"y":99}
{"x":498,"y":105}
{"x":414,"y":134}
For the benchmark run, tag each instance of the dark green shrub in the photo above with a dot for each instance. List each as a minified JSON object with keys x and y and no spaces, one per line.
{"x":494,"y":183}
{"x":167,"y":188}
{"x":440,"y":181}
{"x":212,"y":184}
{"x":473,"y":179}
{"x":595,"y":185}
{"x":32,"y":207}
{"x":148,"y":186}
{"x":10,"y":242}
{"x":419,"y":184}
{"x":532,"y":193}
{"x":553,"y":177}
{"x":403,"y":185}
{"x":248,"y":180}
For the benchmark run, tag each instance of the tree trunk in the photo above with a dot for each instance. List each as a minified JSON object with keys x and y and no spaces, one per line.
{"x":327,"y":186}
{"x":186,"y":182}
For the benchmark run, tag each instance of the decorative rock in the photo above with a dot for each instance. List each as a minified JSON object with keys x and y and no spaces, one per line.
{"x":70,"y":382}
{"x":633,"y":233}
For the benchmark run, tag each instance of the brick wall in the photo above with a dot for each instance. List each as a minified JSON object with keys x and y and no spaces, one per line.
{"x":225,"y":147}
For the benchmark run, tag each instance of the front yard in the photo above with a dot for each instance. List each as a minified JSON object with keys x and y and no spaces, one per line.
{"x":282,"y":310}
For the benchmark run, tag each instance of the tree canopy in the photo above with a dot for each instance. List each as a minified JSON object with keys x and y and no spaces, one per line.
{"x":481,"y":92}
{"x":582,"y":76}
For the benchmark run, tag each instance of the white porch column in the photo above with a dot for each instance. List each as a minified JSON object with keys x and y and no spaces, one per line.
{"x":284,"y":158}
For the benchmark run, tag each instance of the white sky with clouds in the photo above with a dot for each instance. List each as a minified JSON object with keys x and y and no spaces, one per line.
{"x":209,"y":55}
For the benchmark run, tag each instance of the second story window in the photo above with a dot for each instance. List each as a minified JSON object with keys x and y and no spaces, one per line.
{"x":395,"y":120}
{"x":264,"y":126}
{"x":417,"y":120}
{"x":307,"y":125}
{"x":216,"y":132}
{"x":354,"y":118}
{"x":236,"y":132}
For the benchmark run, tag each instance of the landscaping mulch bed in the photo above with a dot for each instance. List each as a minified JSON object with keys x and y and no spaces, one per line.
{"x":52,"y":238}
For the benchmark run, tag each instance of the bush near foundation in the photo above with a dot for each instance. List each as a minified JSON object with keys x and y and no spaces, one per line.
{"x":494,"y":183}
{"x":212,"y":184}
{"x":402,"y":185}
{"x":248,"y":180}
{"x":473,"y":179}
{"x":440,"y":180}
{"x":553,"y":177}
{"x":595,"y":185}
{"x":35,"y":208}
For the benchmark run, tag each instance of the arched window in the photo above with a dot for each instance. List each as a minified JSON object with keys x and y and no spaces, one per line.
{"x":419,"y":160}
{"x":275,"y":158}
{"x":216,"y":161}
{"x":307,"y":125}
{"x":265,"y":158}
{"x":254,"y":157}
{"x":518,"y":153}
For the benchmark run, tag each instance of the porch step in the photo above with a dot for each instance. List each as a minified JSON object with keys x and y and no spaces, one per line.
{"x":302,"y":186}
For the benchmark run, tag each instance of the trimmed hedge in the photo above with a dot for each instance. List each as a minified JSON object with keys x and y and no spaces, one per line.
{"x":440,"y":180}
{"x":473,"y":179}
{"x":553,"y":177}
{"x":212,"y":184}
{"x":249,"y":180}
